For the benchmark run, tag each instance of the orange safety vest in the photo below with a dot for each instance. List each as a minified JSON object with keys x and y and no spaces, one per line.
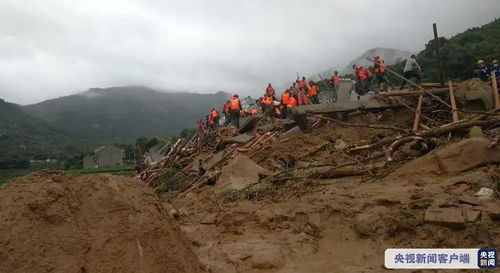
{"x":361,"y":74}
{"x":303,"y":98}
{"x":267,"y":101}
{"x":302,"y":83}
{"x":313,"y":91}
{"x":380,"y":66}
{"x":235,"y":104}
{"x":285,"y":98}
{"x":253,"y":111}
{"x":214,"y":114}
{"x":292,"y":102}
{"x":270,"y":90}
{"x":335,"y":79}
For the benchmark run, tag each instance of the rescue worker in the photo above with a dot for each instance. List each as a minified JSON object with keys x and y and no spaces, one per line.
{"x":267,"y":105}
{"x":302,"y":84}
{"x":335,"y":81}
{"x":303,"y":97}
{"x":482,"y":71}
{"x":361,"y":77}
{"x":292,"y":102}
{"x":214,"y":116}
{"x":227,"y":112}
{"x":313,"y":92}
{"x":209,"y":123}
{"x":380,"y":72}
{"x":411,"y":70}
{"x":285,"y":97}
{"x":270,"y":91}
{"x":368,"y":78}
{"x":294,"y":89}
{"x":235,"y":110}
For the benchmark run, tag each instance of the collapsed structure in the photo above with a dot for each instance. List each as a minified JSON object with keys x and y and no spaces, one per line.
{"x":338,"y":181}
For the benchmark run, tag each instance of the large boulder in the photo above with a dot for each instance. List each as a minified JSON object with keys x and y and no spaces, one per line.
{"x":240,"y":173}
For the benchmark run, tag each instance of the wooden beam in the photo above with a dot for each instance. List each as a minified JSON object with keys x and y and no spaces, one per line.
{"x":495,"y":89}
{"x":453,"y":102}
{"x":414,"y":84}
{"x":411,"y":93}
{"x":438,"y":56}
{"x":417,"y":113}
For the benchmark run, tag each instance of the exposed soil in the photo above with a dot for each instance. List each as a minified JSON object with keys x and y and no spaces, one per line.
{"x":51,"y":222}
{"x":345,"y":225}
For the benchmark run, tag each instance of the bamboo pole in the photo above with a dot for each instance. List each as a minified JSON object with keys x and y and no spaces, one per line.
{"x":453,"y":102}
{"x":417,"y":113}
{"x":495,"y":89}
{"x":414,"y":84}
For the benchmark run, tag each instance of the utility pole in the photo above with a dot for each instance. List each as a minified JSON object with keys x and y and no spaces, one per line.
{"x":438,"y":56}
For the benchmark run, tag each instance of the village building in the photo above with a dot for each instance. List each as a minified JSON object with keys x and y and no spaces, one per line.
{"x":104,"y":156}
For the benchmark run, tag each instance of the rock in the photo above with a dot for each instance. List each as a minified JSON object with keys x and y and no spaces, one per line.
{"x":216,"y":158}
{"x":449,"y":217}
{"x":485,"y":194}
{"x":476,"y":180}
{"x":470,"y":200}
{"x":452,"y":158}
{"x":476,"y":131}
{"x":173,"y":213}
{"x":240,"y":173}
{"x":340,"y":144}
{"x":292,"y":132}
{"x":472,"y":215}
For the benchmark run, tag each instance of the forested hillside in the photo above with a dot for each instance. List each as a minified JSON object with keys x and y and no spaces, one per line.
{"x":460,"y":52}
{"x":123,"y":114}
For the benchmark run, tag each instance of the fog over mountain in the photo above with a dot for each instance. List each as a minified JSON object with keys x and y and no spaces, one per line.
{"x":54,"y":48}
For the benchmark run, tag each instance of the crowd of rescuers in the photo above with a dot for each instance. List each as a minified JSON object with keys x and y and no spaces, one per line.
{"x":301,"y":92}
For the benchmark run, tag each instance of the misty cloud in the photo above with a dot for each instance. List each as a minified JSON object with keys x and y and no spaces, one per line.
{"x":53,"y":48}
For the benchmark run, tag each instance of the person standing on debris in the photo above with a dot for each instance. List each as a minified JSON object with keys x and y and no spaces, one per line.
{"x":267,"y":105}
{"x":411,"y":70}
{"x":209,"y":123}
{"x":482,"y":71}
{"x":214,"y":115}
{"x":294,"y":89}
{"x":302,"y":84}
{"x":292,"y":102}
{"x":235,"y":111}
{"x":368,"y":78}
{"x":227,"y":112}
{"x":313,"y":92}
{"x":335,"y":81}
{"x":270,"y":91}
{"x":380,"y":72}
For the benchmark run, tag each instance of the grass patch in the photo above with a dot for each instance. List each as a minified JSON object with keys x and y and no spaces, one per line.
{"x":120,"y":170}
{"x":171,"y":179}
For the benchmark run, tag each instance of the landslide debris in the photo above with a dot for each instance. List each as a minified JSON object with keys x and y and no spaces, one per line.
{"x":52,"y":222}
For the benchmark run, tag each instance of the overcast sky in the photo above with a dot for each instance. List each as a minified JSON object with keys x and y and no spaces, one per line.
{"x":52,"y":48}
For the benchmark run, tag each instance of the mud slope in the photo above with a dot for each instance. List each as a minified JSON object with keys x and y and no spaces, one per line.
{"x":51,"y":222}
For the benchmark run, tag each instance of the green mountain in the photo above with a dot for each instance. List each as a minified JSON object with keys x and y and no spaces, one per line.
{"x":123,"y":114}
{"x":460,"y":52}
{"x":24,"y":137}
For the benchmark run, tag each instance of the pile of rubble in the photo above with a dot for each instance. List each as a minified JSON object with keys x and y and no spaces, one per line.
{"x":381,"y":132}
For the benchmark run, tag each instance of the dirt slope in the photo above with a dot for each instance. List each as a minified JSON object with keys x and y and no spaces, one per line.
{"x":51,"y":222}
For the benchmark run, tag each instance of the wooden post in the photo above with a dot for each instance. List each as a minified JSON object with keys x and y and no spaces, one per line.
{"x":438,"y":55}
{"x":453,"y":102}
{"x":417,"y":113}
{"x":495,"y":89}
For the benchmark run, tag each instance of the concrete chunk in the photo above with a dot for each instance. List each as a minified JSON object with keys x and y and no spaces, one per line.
{"x":449,"y":217}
